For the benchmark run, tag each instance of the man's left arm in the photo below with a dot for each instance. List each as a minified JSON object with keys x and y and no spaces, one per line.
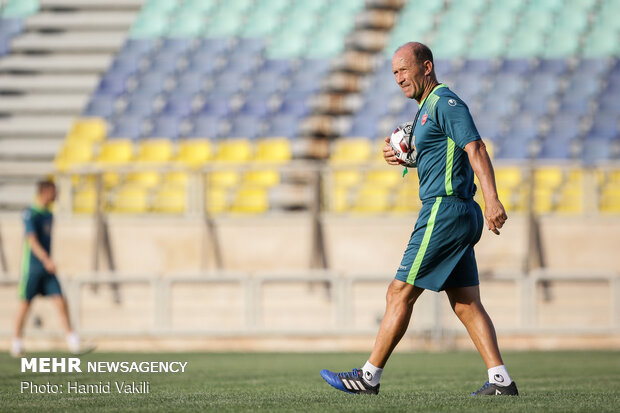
{"x":481,"y":163}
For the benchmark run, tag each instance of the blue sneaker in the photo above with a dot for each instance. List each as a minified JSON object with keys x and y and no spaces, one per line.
{"x":349,"y":382}
{"x":496,"y":390}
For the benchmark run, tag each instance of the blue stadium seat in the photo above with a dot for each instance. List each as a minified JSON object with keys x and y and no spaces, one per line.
{"x":127,"y":127}
{"x":575,"y":104}
{"x":507,"y":85}
{"x":178,"y":104}
{"x":266,"y":83}
{"x":557,"y":67}
{"x":443,"y":67}
{"x":140,"y":106}
{"x":246,"y":126}
{"x":176,"y":46}
{"x":138,"y":47}
{"x":257,"y":107}
{"x":216,"y":106}
{"x":206,"y":126}
{"x":101,"y":106}
{"x":608,"y":101}
{"x":283,"y":125}
{"x":490,"y":126}
{"x":366,"y":126}
{"x":165,"y":62}
{"x":214,"y":45}
{"x":190,"y":83}
{"x":227,"y":84}
{"x":594,"y":150}
{"x":166,"y":127}
{"x":480,"y":67}
{"x":295,"y":106}
{"x":516,"y":66}
{"x":112,"y":85}
{"x":566,"y":123}
{"x":279,"y":66}
{"x":555,"y":149}
{"x":512,"y":149}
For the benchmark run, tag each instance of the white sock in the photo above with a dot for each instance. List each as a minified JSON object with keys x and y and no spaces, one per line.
{"x":372,"y":374}
{"x":499,"y":375}
{"x":17,"y":345}
{"x":73,"y":341}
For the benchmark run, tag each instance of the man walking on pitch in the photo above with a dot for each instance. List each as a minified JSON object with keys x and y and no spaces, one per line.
{"x":38,"y":271}
{"x":440,"y":254}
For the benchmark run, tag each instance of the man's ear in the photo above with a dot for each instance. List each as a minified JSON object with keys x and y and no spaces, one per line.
{"x":428,"y":67}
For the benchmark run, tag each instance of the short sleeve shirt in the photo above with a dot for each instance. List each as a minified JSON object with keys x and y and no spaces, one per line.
{"x":443,"y":128}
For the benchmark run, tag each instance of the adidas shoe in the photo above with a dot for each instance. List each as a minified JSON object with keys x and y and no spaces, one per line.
{"x":492,"y":389}
{"x":349,"y":382}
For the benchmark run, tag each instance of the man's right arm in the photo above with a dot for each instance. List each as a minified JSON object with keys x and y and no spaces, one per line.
{"x":388,"y":153}
{"x":40,"y":253}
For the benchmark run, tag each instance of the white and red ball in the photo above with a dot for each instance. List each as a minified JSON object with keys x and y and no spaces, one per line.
{"x":399,"y":140}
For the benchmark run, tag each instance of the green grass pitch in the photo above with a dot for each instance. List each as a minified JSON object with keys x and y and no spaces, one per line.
{"x":548,"y":382}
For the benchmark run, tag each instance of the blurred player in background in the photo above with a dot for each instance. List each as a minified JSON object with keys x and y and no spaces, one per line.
{"x":38,"y":271}
{"x":440,"y":254}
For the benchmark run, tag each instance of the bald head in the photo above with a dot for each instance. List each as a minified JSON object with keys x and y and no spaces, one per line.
{"x":414,"y":69}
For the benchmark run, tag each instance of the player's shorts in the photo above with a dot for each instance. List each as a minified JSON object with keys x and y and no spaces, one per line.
{"x":38,"y":282}
{"x":440,"y":253}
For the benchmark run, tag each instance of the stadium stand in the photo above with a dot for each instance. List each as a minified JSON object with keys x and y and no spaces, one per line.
{"x":178,"y":81}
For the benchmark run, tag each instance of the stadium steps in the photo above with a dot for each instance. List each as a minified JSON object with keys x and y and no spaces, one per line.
{"x":90,"y":20}
{"x":51,"y":104}
{"x":68,"y":42}
{"x":342,"y":87}
{"x":45,"y":81}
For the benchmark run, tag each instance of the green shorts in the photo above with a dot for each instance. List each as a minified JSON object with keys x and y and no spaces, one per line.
{"x":440,"y":253}
{"x":38,"y":282}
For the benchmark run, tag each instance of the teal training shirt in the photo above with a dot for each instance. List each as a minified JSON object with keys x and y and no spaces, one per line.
{"x":443,"y":127}
{"x":37,"y":221}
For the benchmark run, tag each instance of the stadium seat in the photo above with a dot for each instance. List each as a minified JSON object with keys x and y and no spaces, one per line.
{"x":216,"y":200}
{"x":20,"y":8}
{"x":194,"y":152}
{"x":350,"y":150}
{"x":130,"y":199}
{"x":89,"y":129}
{"x":250,"y":200}
{"x":548,"y":177}
{"x":371,"y":199}
{"x":117,"y":151}
{"x":508,"y":177}
{"x":386,"y":177}
{"x":74,"y":153}
{"x":407,"y":199}
{"x":170,"y":199}
{"x":234,"y":150}
{"x":145,"y":179}
{"x":154,"y":151}
{"x":85,"y":200}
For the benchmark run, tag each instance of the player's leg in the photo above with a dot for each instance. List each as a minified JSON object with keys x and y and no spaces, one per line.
{"x":467,"y":306}
{"x":400,"y":299}
{"x":17,"y":348}
{"x":63,"y":312}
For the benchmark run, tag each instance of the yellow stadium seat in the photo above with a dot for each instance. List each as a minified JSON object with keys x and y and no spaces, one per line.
{"x":154,"y":150}
{"x":251,"y":200}
{"x":224,"y":178}
{"x":74,"y":153}
{"x":170,"y":199}
{"x":548,"y":177}
{"x":130,"y":199}
{"x":262,"y":177}
{"x":508,"y":176}
{"x":543,"y":200}
{"x":194,"y":152}
{"x":234,"y":150}
{"x":505,"y":196}
{"x":490,"y":148}
{"x":377,"y":152}
{"x":146,"y":179}
{"x":388,"y":177}
{"x":177,"y":178}
{"x":85,"y":200}
{"x":372,"y":199}
{"x":609,"y":201}
{"x":88,"y":129}
{"x":117,"y":151}
{"x":407,"y":199}
{"x":216,"y":200}
{"x":273,"y":150}
{"x":613,"y":176}
{"x":570,"y":200}
{"x":351,"y":150}
{"x":346,"y":178}
{"x":339,"y":199}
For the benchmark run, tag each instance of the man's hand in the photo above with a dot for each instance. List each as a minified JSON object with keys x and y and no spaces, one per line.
{"x":495,"y":215}
{"x":49,"y":266}
{"x":388,"y":153}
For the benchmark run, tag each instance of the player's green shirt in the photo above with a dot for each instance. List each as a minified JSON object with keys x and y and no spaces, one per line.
{"x":443,"y":127}
{"x":37,"y":221}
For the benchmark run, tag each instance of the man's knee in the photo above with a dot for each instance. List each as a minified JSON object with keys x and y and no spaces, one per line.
{"x":401,"y":292}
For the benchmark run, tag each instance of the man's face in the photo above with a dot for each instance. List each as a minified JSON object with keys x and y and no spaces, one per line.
{"x":408,"y":74}
{"x":48,"y":196}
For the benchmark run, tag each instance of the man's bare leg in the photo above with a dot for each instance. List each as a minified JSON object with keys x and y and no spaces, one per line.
{"x":465,"y":302}
{"x":63,"y":312}
{"x":400,"y":299}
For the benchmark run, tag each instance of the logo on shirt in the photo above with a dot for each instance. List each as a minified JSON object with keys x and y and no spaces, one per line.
{"x":451,"y":102}
{"x":424,"y":118}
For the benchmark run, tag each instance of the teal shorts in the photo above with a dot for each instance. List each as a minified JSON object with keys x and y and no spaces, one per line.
{"x":38,"y":282}
{"x":440,"y":253}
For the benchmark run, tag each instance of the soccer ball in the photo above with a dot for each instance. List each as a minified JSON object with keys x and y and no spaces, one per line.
{"x":399,"y":140}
